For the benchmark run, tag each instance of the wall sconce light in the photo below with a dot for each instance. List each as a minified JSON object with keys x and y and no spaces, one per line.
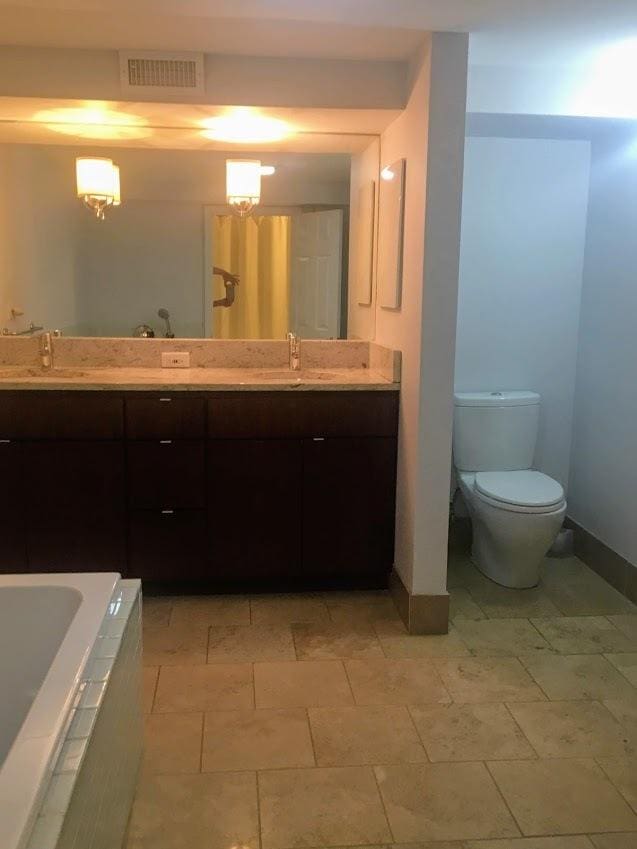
{"x":243,"y":184}
{"x":98,"y":184}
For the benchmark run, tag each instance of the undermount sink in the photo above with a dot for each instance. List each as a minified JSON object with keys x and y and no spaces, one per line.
{"x":301,"y":374}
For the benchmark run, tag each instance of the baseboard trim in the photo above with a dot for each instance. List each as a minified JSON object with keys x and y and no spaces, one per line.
{"x":422,"y":614}
{"x":609,"y":565}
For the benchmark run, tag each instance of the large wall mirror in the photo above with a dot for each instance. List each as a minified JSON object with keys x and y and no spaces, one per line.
{"x":173,"y":257}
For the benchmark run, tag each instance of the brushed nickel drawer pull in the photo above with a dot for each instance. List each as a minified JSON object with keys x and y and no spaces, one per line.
{"x":165,"y":442}
{"x":318,"y":439}
{"x":5,"y":441}
{"x":167,"y":512}
{"x":165,"y":399}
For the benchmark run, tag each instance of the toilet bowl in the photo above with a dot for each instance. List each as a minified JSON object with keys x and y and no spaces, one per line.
{"x":515,"y":515}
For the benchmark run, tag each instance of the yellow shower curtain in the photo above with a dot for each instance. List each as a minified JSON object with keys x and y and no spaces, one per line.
{"x":257,"y":248}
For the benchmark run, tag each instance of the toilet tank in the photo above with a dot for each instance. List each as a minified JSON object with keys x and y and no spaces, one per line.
{"x":495,"y":431}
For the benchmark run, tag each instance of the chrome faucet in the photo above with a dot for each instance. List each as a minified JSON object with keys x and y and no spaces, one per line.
{"x":46,"y":349}
{"x":294,"y":344}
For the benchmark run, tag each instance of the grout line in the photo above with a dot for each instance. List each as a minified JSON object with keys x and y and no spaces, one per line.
{"x":349,"y":683}
{"x":203,"y":729}
{"x":501,"y":795}
{"x":254,"y":687}
{"x":382,"y":801}
{"x":538,"y":756}
{"x":418,"y":734}
{"x":309,"y":725}
{"x":155,"y":688}
{"x":258,"y":792}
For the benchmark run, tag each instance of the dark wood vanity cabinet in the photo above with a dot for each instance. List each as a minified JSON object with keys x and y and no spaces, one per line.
{"x":224,"y":490}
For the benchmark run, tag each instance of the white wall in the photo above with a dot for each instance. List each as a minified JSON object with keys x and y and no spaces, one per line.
{"x":522,"y":253}
{"x":429,"y":135}
{"x":604,"y":458}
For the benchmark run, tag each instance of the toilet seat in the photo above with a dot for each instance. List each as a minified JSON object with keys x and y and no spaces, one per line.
{"x":526,"y":491}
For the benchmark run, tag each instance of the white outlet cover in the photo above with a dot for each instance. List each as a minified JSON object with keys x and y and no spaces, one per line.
{"x":175,"y":359}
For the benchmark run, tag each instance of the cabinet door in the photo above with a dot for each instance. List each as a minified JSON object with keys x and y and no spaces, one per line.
{"x":75,"y":506}
{"x":254,"y":491}
{"x":166,"y":474}
{"x":13,"y":554}
{"x":349,"y":490}
{"x":168,"y":545}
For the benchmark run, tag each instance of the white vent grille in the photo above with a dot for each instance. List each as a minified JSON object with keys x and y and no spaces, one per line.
{"x":170,"y":73}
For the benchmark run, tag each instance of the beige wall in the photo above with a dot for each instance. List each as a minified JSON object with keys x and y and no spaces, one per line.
{"x":232,"y":80}
{"x":429,"y":135}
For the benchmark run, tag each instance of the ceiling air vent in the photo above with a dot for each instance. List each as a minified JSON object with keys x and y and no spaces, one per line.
{"x":145,"y":72}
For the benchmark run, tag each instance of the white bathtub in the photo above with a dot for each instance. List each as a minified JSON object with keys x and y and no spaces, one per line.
{"x":48,"y":627}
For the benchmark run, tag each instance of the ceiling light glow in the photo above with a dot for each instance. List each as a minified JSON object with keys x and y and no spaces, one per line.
{"x":387,"y":174}
{"x":267,"y":170}
{"x":93,"y":123}
{"x":607,"y":89}
{"x":244,"y":126}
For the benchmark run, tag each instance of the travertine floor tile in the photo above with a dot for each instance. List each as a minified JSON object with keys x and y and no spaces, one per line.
{"x":352,"y":611}
{"x":195,"y":812}
{"x":563,"y":842}
{"x":623,"y":773}
{"x":223,"y":686}
{"x":321,"y":807}
{"x":256,"y":739}
{"x":156,"y":611}
{"x":397,"y":643}
{"x":625,"y":711}
{"x":285,"y":609}
{"x":210,"y":610}
{"x":614,"y":841}
{"x":172,"y":742}
{"x":488,"y":680}
{"x":626,"y":664}
{"x":501,"y":637}
{"x":250,"y":643}
{"x":561,"y":797}
{"x":175,"y":646}
{"x":354,"y":736}
{"x":443,"y":802}
{"x":463,"y":606}
{"x":584,"y":594}
{"x":577,"y":676}
{"x":306,"y":683}
{"x":627,"y":623}
{"x":583,"y":635}
{"x":395,"y":682}
{"x":317,"y":641}
{"x":149,"y":682}
{"x":470,"y":732}
{"x":504,"y":603}
{"x":572,"y":729}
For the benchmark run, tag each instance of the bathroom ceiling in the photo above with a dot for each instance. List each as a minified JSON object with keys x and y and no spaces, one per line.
{"x":519,"y":32}
{"x":29,"y":120}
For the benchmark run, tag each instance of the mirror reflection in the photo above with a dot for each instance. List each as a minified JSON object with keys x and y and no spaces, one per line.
{"x":174,"y":258}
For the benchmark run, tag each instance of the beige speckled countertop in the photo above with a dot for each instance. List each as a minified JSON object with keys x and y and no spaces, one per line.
{"x":192,"y":379}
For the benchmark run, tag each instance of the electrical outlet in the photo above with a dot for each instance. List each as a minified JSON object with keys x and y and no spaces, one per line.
{"x":175,"y":359}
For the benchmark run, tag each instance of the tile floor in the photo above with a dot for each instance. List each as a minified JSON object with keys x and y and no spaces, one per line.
{"x":292,"y":722}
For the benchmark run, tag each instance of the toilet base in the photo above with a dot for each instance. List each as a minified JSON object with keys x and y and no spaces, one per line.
{"x":509,"y":547}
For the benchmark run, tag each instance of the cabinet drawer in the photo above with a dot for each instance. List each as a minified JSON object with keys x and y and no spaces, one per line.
{"x":165,"y":417}
{"x":166,"y":474}
{"x":352,"y":414}
{"x":167,"y":545}
{"x":255,"y":415}
{"x":68,"y":415}
{"x":293,"y":415}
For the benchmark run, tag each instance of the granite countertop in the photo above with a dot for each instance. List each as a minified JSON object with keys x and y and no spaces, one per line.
{"x":192,"y":379}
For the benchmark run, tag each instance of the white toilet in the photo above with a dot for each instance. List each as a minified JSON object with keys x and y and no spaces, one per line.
{"x":515,"y":512}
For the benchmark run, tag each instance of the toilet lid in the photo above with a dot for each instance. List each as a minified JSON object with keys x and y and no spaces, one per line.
{"x":527,"y":488}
